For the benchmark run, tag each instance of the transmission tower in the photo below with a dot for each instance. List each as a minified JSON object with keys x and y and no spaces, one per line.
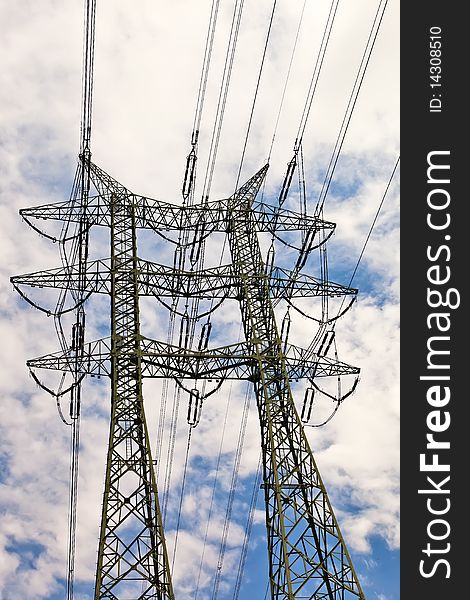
{"x":308,"y":557}
{"x":307,"y":554}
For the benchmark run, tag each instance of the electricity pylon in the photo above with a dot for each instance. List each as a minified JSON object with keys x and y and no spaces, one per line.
{"x":308,"y":557}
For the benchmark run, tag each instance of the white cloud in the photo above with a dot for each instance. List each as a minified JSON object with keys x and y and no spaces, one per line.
{"x":147,"y":72}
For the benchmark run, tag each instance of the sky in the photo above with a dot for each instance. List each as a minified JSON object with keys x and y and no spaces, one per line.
{"x":148,"y":62}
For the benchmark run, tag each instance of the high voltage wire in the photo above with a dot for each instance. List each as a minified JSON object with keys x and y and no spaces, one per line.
{"x":374,"y":30}
{"x":315,"y":341}
{"x":80,"y":249}
{"x":255,"y":95}
{"x":212,"y":500}
{"x":191,"y":161}
{"x":206,"y":64}
{"x":231,"y":496}
{"x":338,"y":145}
{"x":376,"y":216}
{"x":292,"y":165}
{"x":316,"y":72}
{"x":284,"y":89}
{"x":248,"y":528}
{"x":178,"y":519}
{"x":222,"y":99}
{"x":188,"y":190}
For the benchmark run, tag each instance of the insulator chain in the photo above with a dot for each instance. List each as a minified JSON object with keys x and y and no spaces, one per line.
{"x":197,"y":243}
{"x":307,"y":247}
{"x":185,"y":331}
{"x":269,"y":267}
{"x":78,"y":338}
{"x":196,"y":399}
{"x":204,"y":338}
{"x":338,"y":400}
{"x":178,"y":263}
{"x":194,"y":407}
{"x":178,"y":259}
{"x":285,"y":329}
{"x":307,"y":406}
{"x":75,"y":401}
{"x":325,"y":345}
{"x":291,"y":165}
{"x":190,"y":172}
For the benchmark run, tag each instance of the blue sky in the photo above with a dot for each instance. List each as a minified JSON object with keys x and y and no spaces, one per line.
{"x":147,"y":69}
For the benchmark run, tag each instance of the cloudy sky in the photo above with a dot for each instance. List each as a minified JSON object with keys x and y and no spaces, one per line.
{"x":148,"y":62}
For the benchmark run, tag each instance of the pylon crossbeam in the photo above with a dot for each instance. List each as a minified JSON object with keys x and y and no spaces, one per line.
{"x":160,"y":360}
{"x":154,"y":214}
{"x":159,"y":280}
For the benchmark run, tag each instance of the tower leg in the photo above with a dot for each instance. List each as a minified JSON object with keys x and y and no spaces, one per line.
{"x":308,"y":557}
{"x":132,"y":557}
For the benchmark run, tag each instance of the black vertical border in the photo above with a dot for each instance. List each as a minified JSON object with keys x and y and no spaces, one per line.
{"x":421,"y":132}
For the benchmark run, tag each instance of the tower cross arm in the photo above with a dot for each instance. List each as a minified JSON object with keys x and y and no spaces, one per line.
{"x":158,"y":215}
{"x":165,"y":281}
{"x":160,"y":360}
{"x":155,"y":214}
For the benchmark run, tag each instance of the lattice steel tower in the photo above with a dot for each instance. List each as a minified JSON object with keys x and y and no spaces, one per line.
{"x":308,"y":557}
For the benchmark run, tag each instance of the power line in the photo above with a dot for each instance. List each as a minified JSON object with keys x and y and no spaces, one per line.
{"x":292,"y":165}
{"x":373,"y":33}
{"x":223,"y":93}
{"x":212,"y":500}
{"x":206,"y":65}
{"x":317,"y":561}
{"x":231,"y":496}
{"x":248,"y":528}
{"x":379,"y":208}
{"x":178,"y":520}
{"x":191,"y":160}
{"x":281,"y":103}
{"x":255,"y":95}
{"x":366,"y":241}
{"x":316,"y":72}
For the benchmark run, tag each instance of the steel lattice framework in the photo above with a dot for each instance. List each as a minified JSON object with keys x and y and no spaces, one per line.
{"x":132,"y":543}
{"x":308,"y":557}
